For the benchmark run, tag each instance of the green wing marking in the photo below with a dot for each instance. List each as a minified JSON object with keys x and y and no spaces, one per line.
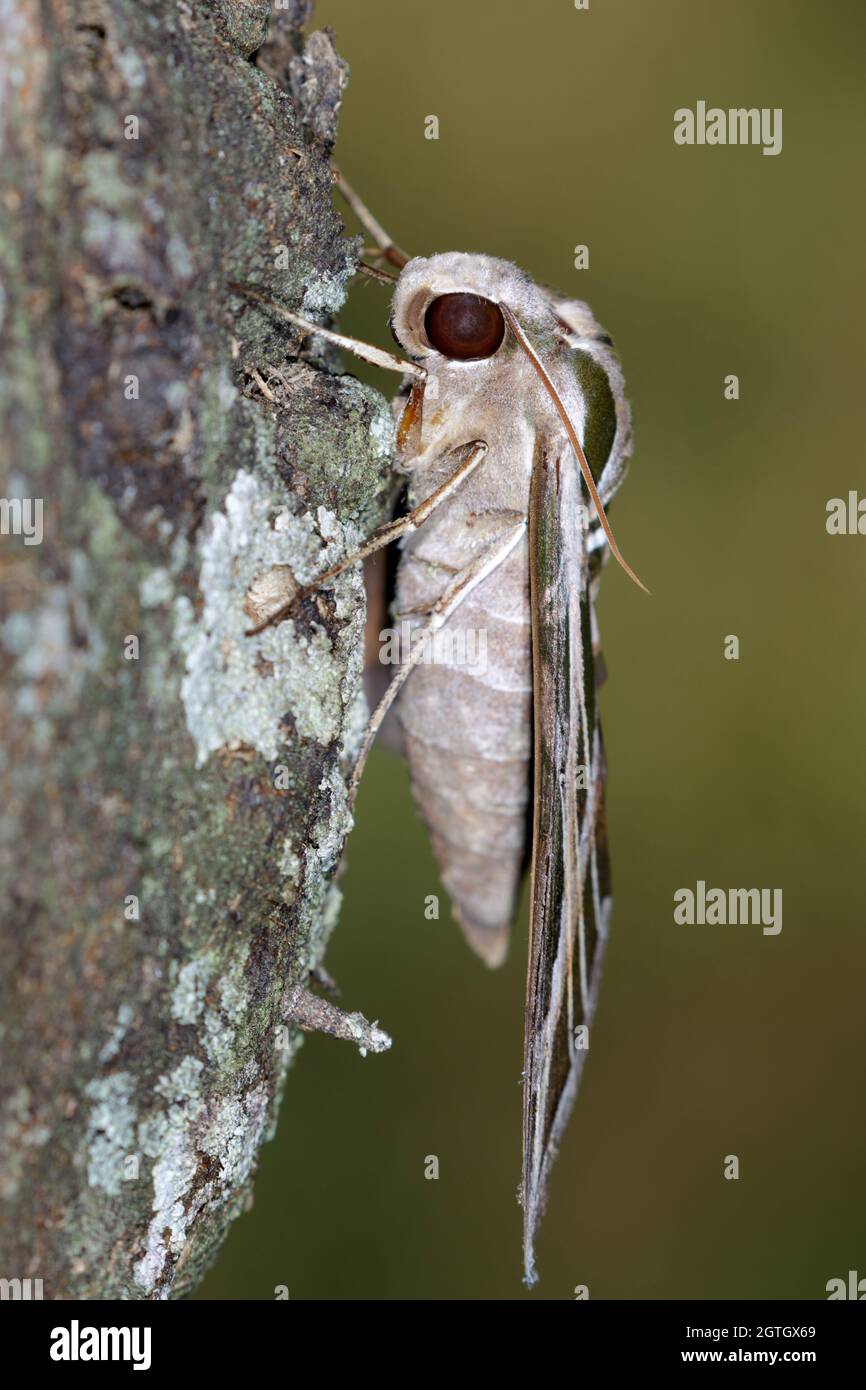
{"x":600,"y":427}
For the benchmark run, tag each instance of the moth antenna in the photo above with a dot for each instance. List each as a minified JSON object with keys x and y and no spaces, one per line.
{"x":573,"y":439}
{"x":387,"y":247}
{"x":376,"y":274}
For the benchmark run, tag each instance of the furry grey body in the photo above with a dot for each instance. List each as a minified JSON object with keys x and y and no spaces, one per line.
{"x":468,"y":729}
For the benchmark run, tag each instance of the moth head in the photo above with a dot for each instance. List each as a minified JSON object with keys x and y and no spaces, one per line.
{"x":446,"y":308}
{"x":458,"y":312}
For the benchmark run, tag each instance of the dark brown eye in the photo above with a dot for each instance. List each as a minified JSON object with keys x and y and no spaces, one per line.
{"x":464,"y":326}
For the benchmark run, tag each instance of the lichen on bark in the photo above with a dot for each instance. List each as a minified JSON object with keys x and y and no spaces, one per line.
{"x":174,"y":791}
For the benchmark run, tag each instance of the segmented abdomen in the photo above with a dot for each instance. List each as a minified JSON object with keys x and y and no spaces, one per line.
{"x":467,"y":723}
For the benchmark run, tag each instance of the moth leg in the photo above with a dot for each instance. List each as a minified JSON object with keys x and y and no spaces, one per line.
{"x":387,"y":249}
{"x":313,"y":1014}
{"x":438,"y":614}
{"x":367,"y":352}
{"x":473,"y":454}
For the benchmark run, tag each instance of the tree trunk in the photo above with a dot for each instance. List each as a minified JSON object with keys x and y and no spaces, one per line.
{"x":175,"y":791}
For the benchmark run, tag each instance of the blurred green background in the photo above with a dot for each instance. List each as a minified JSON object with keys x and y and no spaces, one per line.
{"x":556,"y":128}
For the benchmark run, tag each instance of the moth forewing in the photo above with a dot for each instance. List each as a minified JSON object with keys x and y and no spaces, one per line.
{"x":570,"y":901}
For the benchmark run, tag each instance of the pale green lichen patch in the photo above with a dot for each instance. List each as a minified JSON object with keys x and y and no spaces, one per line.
{"x":323,"y":297}
{"x":183,"y":1085}
{"x":219,"y":1037}
{"x":131,"y":67}
{"x":20,"y":1130}
{"x":56,"y":646}
{"x":234,"y":1132}
{"x":110,"y":1049}
{"x":187,"y":1000}
{"x":226,"y":696}
{"x":221,"y":1024}
{"x":231,"y":987}
{"x":289,"y":863}
{"x":228,"y":1132}
{"x":156,"y":588}
{"x":110,"y":1129}
{"x":106,"y":185}
{"x":168,"y":1137}
{"x":329,"y":833}
{"x":173,"y":1173}
{"x":383,"y":433}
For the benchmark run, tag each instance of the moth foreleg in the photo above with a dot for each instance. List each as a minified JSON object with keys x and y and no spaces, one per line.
{"x":472,"y":454}
{"x":438,"y":614}
{"x":386,"y":247}
{"x":367,"y":352}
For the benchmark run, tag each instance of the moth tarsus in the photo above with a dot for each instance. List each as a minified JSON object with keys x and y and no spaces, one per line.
{"x":508,"y":480}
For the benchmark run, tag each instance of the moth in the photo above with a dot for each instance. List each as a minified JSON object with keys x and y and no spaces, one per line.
{"x":513,"y":436}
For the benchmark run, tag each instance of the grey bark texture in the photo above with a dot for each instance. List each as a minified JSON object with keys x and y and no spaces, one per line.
{"x":174,"y":792}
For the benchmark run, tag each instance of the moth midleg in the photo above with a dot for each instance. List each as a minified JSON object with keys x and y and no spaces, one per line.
{"x":386,"y":246}
{"x":475,"y":451}
{"x":439,"y":612}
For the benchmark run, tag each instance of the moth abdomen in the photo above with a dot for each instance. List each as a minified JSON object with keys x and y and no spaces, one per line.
{"x":467,"y":725}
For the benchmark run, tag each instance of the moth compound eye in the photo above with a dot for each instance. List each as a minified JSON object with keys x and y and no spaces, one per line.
{"x":464,"y":326}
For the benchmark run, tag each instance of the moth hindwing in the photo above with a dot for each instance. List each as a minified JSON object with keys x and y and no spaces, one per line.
{"x":513,"y":440}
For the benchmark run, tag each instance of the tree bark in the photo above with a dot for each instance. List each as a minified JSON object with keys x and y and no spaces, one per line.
{"x":174,"y":791}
